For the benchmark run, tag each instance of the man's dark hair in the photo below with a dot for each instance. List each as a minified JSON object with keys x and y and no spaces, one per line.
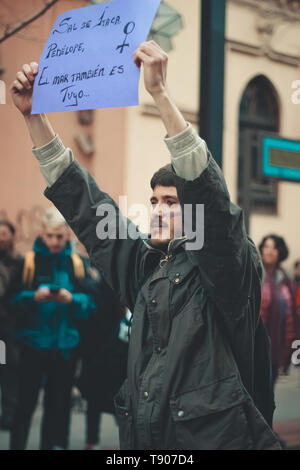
{"x":163,"y":177}
{"x":9,"y":225}
{"x":280,"y":245}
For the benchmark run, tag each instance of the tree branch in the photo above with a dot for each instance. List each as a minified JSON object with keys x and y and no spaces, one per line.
{"x":16,"y":29}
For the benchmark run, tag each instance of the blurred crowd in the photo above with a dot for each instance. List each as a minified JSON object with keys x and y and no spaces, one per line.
{"x":64,"y":330}
{"x":64,"y":327}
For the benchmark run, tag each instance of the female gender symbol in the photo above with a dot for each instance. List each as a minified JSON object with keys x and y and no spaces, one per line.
{"x":127,"y":30}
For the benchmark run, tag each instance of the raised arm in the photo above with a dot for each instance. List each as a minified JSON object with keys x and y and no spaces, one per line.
{"x":21,"y":90}
{"x":188,"y":151}
{"x":53,"y":158}
{"x":78,"y":198}
{"x":155,"y":61}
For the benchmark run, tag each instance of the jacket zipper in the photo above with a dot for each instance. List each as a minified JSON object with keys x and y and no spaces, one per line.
{"x":166,"y":256}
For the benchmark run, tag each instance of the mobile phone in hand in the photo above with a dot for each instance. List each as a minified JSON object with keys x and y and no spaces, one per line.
{"x":54,"y":289}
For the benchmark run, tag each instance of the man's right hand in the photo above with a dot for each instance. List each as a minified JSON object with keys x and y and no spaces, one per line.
{"x":43,"y":294}
{"x":22,"y":88}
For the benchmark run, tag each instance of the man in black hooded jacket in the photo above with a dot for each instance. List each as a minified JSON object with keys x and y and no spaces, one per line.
{"x":198,"y":365}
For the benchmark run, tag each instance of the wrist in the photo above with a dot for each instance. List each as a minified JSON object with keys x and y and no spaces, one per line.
{"x":160,"y":96}
{"x":171,"y":116}
{"x":40,"y":129}
{"x":30,"y":118}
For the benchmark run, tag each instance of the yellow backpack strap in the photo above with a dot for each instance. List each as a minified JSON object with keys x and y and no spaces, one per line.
{"x":29,"y":268}
{"x":78,"y":266}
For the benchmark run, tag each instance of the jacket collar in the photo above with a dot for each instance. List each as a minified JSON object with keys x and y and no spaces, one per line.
{"x":173,"y":245}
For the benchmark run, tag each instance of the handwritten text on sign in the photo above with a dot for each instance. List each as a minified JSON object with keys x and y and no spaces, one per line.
{"x":87,"y":62}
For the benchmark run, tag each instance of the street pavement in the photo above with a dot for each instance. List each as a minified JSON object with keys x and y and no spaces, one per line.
{"x":109,"y":432}
{"x":286,"y":420}
{"x":287,"y":413}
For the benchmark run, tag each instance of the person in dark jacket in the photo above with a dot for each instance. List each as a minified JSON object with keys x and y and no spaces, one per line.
{"x":196,"y":334}
{"x":104,"y":360}
{"x":9,"y":262}
{"x":50,"y":298}
{"x":103,"y":356}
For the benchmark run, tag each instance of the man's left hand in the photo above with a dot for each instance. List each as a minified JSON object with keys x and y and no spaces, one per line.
{"x":155,"y":61}
{"x":62,"y":297}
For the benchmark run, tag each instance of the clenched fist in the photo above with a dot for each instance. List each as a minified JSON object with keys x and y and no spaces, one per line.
{"x":42,"y":294}
{"x":22,"y":88}
{"x":155,"y":61}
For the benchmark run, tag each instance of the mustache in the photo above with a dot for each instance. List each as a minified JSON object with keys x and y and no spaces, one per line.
{"x":158,"y":223}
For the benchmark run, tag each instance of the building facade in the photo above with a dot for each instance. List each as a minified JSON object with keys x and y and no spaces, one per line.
{"x":262,"y":65}
{"x":262,"y":60}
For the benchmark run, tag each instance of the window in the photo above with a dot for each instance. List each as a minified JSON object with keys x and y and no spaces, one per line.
{"x":259,"y":113}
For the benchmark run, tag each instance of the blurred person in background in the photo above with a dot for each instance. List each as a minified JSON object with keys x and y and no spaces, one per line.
{"x":103,"y":352}
{"x":9,"y":262}
{"x":277,"y":305}
{"x":104,"y":358}
{"x":50,"y":296}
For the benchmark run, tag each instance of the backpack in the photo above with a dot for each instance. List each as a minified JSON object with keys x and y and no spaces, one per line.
{"x":29,"y":267}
